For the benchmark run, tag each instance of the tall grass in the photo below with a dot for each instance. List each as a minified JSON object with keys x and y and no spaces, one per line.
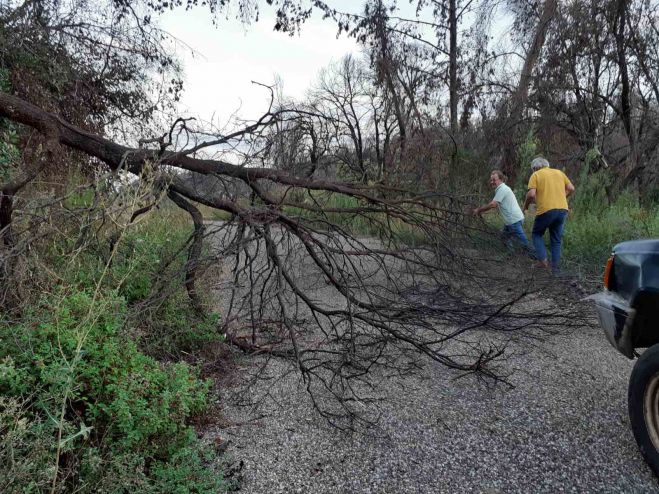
{"x":593,"y":228}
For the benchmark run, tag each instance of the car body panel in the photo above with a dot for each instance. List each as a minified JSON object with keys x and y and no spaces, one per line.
{"x":635,"y":268}
{"x":629,"y":310}
{"x":616,"y":319}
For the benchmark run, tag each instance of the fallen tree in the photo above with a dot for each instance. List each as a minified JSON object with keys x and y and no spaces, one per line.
{"x":376,"y":282}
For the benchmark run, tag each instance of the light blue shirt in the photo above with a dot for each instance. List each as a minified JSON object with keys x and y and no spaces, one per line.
{"x":508,"y":205}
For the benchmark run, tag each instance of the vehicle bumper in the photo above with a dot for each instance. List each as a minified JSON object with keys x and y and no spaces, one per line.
{"x":616,"y":318}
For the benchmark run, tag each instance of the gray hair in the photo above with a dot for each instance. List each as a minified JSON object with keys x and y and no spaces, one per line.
{"x":538,"y":163}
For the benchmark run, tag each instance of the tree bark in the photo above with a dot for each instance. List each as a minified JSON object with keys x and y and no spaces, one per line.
{"x":6,"y":210}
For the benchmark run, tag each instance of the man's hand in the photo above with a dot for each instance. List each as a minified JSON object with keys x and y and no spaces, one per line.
{"x":479,"y":211}
{"x":530,"y":197}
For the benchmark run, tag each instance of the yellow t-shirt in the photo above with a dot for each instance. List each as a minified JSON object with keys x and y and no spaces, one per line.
{"x":549,"y":185}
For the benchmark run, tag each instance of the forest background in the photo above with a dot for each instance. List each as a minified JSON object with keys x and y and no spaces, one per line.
{"x":111,"y":199}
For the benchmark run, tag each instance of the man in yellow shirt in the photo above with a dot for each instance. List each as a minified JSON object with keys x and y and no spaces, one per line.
{"x":549,"y":189}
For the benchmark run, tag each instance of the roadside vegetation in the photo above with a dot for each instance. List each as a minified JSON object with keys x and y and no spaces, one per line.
{"x":94,"y":394}
{"x":596,"y":225}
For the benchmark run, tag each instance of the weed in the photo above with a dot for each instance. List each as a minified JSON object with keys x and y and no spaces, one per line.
{"x":83,"y":406}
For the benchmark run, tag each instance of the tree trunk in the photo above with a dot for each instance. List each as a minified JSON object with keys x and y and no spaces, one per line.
{"x":631,"y":163}
{"x":313,"y":153}
{"x":194,"y":253}
{"x":453,"y":78}
{"x":453,"y":66}
{"x":521,"y":94}
{"x":386,"y":69}
{"x":6,"y":209}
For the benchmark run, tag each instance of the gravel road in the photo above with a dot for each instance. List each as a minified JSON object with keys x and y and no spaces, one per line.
{"x":563,"y":427}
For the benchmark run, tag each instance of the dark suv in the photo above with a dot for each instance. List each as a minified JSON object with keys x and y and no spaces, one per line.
{"x":628,"y":311}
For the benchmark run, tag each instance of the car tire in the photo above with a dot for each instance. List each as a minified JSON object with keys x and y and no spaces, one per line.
{"x":643,"y":403}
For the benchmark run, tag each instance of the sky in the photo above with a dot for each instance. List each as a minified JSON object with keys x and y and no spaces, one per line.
{"x":221,"y":60}
{"x":227,"y":57}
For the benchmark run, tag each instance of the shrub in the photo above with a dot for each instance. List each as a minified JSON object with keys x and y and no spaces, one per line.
{"x":26,"y":443}
{"x":146,"y":268}
{"x":594,"y":228}
{"x":174,"y":327}
{"x":83,"y":407}
{"x":526,"y":151}
{"x":112,"y":408}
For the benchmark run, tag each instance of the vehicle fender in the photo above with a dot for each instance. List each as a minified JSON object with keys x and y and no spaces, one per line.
{"x":617,"y":320}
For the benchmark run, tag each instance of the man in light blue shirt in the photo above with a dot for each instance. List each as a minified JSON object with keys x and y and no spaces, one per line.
{"x":512,"y":215}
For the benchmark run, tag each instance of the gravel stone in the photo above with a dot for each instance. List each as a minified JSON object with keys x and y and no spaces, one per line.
{"x":562,"y":428}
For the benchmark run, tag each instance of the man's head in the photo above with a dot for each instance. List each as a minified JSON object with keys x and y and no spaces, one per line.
{"x":497,"y":177}
{"x":538,"y":163}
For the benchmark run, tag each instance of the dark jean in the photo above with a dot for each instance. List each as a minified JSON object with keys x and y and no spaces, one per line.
{"x":554,"y":220}
{"x":515,"y":231}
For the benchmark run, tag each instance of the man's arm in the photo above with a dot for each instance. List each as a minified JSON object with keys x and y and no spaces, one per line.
{"x":487,"y":207}
{"x":569,"y":189}
{"x":530,"y":198}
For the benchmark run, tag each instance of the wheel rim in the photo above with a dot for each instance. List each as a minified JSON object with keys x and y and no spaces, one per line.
{"x":651,"y":409}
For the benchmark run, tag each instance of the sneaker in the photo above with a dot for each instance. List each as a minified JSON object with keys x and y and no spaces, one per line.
{"x":541,"y":265}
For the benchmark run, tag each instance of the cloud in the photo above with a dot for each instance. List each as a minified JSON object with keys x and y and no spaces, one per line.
{"x":229,"y":56}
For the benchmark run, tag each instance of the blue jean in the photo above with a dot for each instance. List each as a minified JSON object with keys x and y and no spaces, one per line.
{"x":515,"y":231}
{"x":554,"y":220}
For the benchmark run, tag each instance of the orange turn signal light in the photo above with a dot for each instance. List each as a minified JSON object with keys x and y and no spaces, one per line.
{"x":607,"y":272}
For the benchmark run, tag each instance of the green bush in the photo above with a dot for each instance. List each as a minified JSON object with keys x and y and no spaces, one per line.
{"x":175,"y":327}
{"x":147,"y":270}
{"x":593,"y":228}
{"x":123,"y":410}
{"x":142,"y":253}
{"x":152,"y":249}
{"x":83,"y":400}
{"x":526,"y":151}
{"x":26,"y":441}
